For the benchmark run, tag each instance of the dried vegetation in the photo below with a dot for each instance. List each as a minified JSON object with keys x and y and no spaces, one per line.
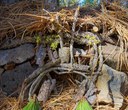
{"x":24,"y":19}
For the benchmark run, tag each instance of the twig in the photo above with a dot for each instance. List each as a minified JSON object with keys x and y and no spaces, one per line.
{"x":36,"y":83}
{"x":63,"y":72}
{"x":27,"y":81}
{"x":61,"y":39}
{"x":81,"y":73}
{"x":95,"y":59}
{"x":76,"y":67}
{"x":100,"y":58}
{"x":41,"y":69}
{"x":73,"y":31}
{"x":50,"y":54}
{"x":23,"y":89}
{"x":39,"y":78}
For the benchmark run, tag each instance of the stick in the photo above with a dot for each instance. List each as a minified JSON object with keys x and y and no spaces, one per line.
{"x":61,"y":39}
{"x":76,"y":67}
{"x":73,"y":31}
{"x":36,"y":83}
{"x":41,"y":69}
{"x":100,"y":58}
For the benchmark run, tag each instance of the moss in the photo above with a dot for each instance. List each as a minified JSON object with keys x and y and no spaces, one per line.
{"x":54,"y":45}
{"x":92,"y":40}
{"x":38,"y":39}
{"x":52,"y":40}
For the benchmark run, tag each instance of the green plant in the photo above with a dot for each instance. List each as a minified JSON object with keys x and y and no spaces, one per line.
{"x":54,"y":45}
{"x":52,"y":40}
{"x":33,"y":104}
{"x":83,"y":105}
{"x":38,"y":39}
{"x":92,"y":40}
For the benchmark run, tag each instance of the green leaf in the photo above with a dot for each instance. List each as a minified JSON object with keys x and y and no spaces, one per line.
{"x":38,"y":39}
{"x":32,"y":105}
{"x":83,"y":105}
{"x":54,"y":45}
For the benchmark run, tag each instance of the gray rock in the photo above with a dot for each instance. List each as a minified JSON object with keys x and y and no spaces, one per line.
{"x":40,"y":55}
{"x":16,"y":55}
{"x":12,"y":43}
{"x":12,"y":79}
{"x":103,"y":87}
{"x":92,"y":99}
{"x":112,"y":82}
{"x":111,"y":55}
{"x":64,"y":54}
